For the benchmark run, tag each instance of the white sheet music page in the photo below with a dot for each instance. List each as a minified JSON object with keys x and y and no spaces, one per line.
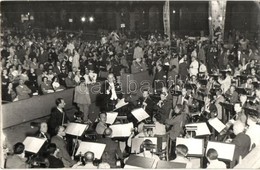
{"x":96,"y":148}
{"x":121,"y":103}
{"x":76,"y":129}
{"x":111,"y":117}
{"x":140,"y":114}
{"x":33,"y":144}
{"x":225,"y":150}
{"x":122,"y":130}
{"x":216,"y":124}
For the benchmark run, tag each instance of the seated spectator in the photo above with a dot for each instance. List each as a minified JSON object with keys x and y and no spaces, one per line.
{"x":45,"y":86}
{"x":50,"y":75}
{"x":23,"y":92}
{"x":17,"y":160}
{"x":138,"y":66}
{"x":101,"y":126}
{"x":33,"y":80}
{"x":214,"y":163}
{"x":89,"y":158}
{"x":70,"y":82}
{"x":24,"y":76}
{"x":181,"y":152}
{"x":56,"y":85}
{"x":9,"y":93}
{"x":53,"y":159}
{"x":77,"y":77}
{"x":34,"y":64}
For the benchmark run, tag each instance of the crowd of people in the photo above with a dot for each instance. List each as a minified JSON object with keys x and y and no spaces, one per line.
{"x":192,"y":78}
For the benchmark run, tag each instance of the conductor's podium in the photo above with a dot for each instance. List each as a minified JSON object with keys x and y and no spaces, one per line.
{"x":36,"y":107}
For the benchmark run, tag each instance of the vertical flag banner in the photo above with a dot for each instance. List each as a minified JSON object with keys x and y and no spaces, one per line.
{"x":217,"y":12}
{"x":166,"y":18}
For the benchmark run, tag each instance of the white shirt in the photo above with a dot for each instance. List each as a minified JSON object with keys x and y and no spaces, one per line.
{"x":202,"y":68}
{"x":225,"y":84}
{"x":113,"y":90}
{"x":252,"y":132}
{"x":194,"y":67}
{"x":216,"y":164}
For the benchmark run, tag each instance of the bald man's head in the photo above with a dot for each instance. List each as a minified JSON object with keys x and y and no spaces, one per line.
{"x":89,"y":156}
{"x":108,"y":132}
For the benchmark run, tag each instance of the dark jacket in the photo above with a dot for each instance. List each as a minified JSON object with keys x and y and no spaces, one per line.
{"x":56,"y":120}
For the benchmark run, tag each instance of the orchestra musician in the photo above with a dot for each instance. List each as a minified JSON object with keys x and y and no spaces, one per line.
{"x":231,"y":95}
{"x":163,"y":107}
{"x":146,"y":102}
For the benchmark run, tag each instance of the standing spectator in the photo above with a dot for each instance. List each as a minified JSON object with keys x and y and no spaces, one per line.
{"x":82,"y":98}
{"x":194,"y":67}
{"x":138,"y":52}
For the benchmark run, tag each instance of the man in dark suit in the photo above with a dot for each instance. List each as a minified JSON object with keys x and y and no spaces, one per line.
{"x":159,"y":78}
{"x":146,"y":102}
{"x":112,"y":92}
{"x":112,"y":148}
{"x":62,"y":146}
{"x":164,"y":107}
{"x":182,"y":99}
{"x":58,"y":116}
{"x":242,"y":142}
{"x":232,"y":95}
{"x":42,"y":133}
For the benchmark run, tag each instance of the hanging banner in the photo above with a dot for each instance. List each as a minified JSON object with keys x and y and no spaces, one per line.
{"x":166,"y":18}
{"x":217,"y":12}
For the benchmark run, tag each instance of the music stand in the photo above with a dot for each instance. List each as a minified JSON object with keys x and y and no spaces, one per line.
{"x":227,"y":108}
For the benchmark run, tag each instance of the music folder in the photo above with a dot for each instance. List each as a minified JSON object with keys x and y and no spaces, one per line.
{"x":225,"y":150}
{"x":140,"y":114}
{"x":120,"y":104}
{"x":76,"y":129}
{"x":139,"y":162}
{"x":202,"y":128}
{"x":170,"y":165}
{"x":195,"y":146}
{"x":216,"y":124}
{"x":96,"y":148}
{"x":33,"y":144}
{"x":122,"y":130}
{"x":111,"y":117}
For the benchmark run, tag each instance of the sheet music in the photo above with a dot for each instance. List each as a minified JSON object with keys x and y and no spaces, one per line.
{"x":202,"y":128}
{"x":76,"y":129}
{"x":122,"y":130}
{"x":121,"y":103}
{"x":195,"y":146}
{"x":140,"y":114}
{"x":225,"y":150}
{"x":96,"y":148}
{"x":216,"y":124}
{"x":111,"y":117}
{"x":33,"y":144}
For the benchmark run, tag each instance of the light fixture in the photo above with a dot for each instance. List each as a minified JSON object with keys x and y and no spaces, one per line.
{"x":220,"y":18}
{"x":83,"y":19}
{"x":70,"y":20}
{"x":210,"y":18}
{"x":91,"y":19}
{"x":174,"y":11}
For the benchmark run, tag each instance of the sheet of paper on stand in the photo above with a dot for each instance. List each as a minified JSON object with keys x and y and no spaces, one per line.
{"x":216,"y":124}
{"x":202,"y":128}
{"x":111,"y":117}
{"x":121,"y":103}
{"x":140,"y":114}
{"x":122,"y":130}
{"x":170,"y":165}
{"x":195,"y":146}
{"x":76,"y":129}
{"x":136,"y":142}
{"x":33,"y":144}
{"x":138,"y":161}
{"x":96,"y":148}
{"x":225,"y":150}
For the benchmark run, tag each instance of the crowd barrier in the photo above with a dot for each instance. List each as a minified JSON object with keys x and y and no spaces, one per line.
{"x":36,"y":107}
